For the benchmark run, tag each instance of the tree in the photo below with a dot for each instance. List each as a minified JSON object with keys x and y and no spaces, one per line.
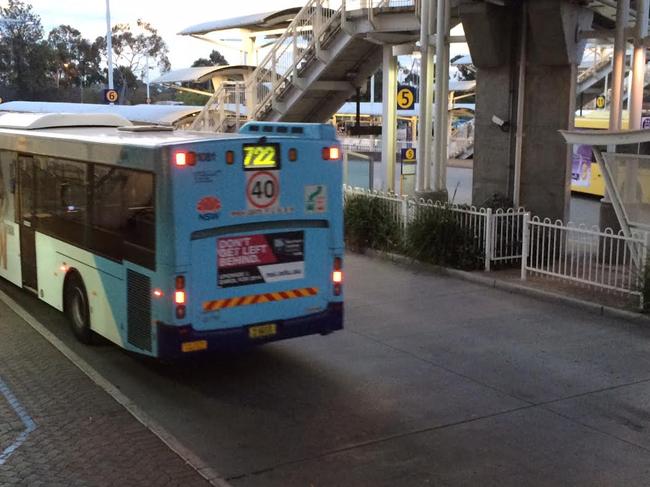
{"x":65,"y":42}
{"x":136,"y":51}
{"x":25,"y":59}
{"x":215,"y":59}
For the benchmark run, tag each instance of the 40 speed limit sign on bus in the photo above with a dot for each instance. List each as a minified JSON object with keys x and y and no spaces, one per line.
{"x":262,"y":190}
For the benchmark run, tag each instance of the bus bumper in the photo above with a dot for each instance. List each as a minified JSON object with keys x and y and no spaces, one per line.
{"x":171,"y":338}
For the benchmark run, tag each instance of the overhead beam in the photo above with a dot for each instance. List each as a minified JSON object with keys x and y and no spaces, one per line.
{"x":605,"y":34}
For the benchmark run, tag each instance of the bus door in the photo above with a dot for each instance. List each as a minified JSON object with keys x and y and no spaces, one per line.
{"x":26,"y":220}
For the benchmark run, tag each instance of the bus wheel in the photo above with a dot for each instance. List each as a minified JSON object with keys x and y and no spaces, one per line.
{"x":77,"y":310}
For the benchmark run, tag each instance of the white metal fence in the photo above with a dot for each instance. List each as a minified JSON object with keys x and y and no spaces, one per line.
{"x":605,"y":260}
{"x":497,"y":235}
{"x":601,"y":260}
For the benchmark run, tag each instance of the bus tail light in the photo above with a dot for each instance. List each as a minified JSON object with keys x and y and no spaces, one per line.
{"x":180,"y":298}
{"x":337,"y":276}
{"x":230,"y":157}
{"x":331,"y":153}
{"x":180,"y":311}
{"x":185,"y":158}
{"x":293,"y":154}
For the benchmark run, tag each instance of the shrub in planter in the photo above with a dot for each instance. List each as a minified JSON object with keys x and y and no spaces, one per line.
{"x":436,"y":237}
{"x":644,"y":286}
{"x":368,"y":224}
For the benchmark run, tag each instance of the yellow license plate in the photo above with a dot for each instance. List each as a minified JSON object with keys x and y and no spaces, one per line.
{"x":261,"y":156}
{"x":194,"y":346}
{"x":260,"y":331}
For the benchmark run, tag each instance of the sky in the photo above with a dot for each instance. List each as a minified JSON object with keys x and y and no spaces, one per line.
{"x":89,"y":17}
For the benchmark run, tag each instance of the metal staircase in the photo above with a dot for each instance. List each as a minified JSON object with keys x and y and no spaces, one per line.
{"x":330,"y":48}
{"x":591,"y":81}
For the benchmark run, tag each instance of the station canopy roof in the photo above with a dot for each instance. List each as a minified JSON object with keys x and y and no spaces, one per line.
{"x":278,"y":19}
{"x":140,"y":114}
{"x":204,"y":73}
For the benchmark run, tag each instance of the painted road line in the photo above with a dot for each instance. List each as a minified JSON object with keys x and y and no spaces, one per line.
{"x":147,"y":421}
{"x":25,"y":418}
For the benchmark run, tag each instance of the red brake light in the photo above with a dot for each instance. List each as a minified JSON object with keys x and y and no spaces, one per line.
{"x":230,"y":157}
{"x":293,"y":154}
{"x":185,"y":158}
{"x":180,"y":311}
{"x":180,"y":282}
{"x":331,"y":153}
{"x":179,"y":297}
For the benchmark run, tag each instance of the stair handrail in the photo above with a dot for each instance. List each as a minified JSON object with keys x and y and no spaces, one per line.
{"x":266,"y":82}
{"x":309,"y":16}
{"x":213,"y":116}
{"x":591,"y":70}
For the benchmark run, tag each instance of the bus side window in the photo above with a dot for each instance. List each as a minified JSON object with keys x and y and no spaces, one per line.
{"x":61,"y":199}
{"x":123,"y":214}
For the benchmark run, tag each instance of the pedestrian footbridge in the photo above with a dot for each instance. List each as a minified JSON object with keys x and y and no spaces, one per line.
{"x":330,"y":48}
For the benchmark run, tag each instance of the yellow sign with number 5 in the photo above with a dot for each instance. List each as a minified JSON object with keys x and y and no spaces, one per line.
{"x":405,"y":98}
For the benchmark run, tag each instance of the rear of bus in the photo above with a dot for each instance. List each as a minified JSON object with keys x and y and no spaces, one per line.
{"x":258,"y":238}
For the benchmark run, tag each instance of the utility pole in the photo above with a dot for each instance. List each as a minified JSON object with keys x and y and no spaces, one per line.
{"x":109,"y":45}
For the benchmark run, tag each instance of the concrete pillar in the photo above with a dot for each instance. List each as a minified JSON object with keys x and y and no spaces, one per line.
{"x":489,"y":31}
{"x":548,"y":104}
{"x":608,"y":217}
{"x":389,"y":117}
{"x":423,"y":174}
{"x":442,"y":95}
{"x":639,"y":65}
{"x":618,"y":74}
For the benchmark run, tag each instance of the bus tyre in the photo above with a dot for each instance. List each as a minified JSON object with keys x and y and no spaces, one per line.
{"x":77,"y":309}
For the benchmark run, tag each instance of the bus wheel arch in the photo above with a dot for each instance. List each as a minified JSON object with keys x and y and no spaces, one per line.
{"x":76,"y":306}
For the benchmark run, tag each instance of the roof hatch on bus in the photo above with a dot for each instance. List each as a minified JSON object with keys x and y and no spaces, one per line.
{"x":33,"y":121}
{"x":303,"y":130}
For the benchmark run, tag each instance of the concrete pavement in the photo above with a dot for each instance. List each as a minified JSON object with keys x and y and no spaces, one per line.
{"x":57,"y":428}
{"x":434,"y":381}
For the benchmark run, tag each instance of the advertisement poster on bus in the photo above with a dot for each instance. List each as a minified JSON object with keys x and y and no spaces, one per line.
{"x":261,"y":258}
{"x":581,"y":166}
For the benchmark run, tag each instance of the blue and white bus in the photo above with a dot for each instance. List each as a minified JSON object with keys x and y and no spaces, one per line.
{"x":167,"y":242}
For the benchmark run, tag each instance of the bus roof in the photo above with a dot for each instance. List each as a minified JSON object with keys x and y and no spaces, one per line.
{"x":31,"y":121}
{"x":122,"y":134}
{"x":107,"y":143}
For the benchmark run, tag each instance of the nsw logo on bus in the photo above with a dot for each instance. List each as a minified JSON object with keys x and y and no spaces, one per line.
{"x":208,"y":208}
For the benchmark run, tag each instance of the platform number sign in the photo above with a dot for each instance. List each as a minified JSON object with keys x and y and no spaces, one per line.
{"x":262,"y":190}
{"x":408,"y":155}
{"x":111,"y":96}
{"x":600,"y":102}
{"x":405,"y":97}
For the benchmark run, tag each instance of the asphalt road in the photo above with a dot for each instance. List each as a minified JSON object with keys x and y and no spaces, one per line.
{"x":434,"y":381}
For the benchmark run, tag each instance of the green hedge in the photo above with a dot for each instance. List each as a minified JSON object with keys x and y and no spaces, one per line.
{"x":434,"y":236}
{"x":368,"y":224}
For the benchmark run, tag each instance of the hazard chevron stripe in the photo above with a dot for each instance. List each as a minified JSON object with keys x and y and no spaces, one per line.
{"x":218,"y":304}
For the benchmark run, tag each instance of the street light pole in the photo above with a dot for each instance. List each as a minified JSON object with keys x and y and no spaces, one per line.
{"x":109,"y":45}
